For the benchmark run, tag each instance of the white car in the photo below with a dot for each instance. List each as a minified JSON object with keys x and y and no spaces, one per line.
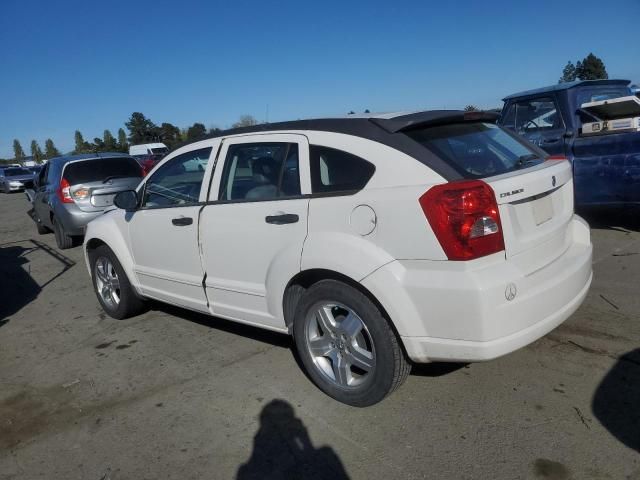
{"x":148,"y":149}
{"x":375,"y":242}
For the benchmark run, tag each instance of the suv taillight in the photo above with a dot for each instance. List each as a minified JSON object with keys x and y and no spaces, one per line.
{"x":64,"y":193}
{"x":464,"y":217}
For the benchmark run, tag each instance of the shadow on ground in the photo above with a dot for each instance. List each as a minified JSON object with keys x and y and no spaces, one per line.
{"x":612,"y":218}
{"x":616,"y":403}
{"x":282,"y":449}
{"x":17,"y":286}
{"x":437,"y":369}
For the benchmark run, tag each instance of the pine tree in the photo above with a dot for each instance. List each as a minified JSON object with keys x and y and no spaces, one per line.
{"x":568,"y":73}
{"x":109,"y":142}
{"x":17,"y":150}
{"x":81,"y":145}
{"x":591,"y":68}
{"x":50,"y":150}
{"x":123,"y":145}
{"x":141,"y":129}
{"x":36,"y":152}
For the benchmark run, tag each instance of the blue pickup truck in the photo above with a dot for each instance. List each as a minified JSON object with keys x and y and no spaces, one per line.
{"x":606,"y":167}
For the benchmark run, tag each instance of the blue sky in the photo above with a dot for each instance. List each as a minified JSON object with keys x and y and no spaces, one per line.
{"x":88,"y":65}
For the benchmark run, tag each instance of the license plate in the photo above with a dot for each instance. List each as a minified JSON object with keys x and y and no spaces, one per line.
{"x":102,"y":200}
{"x":543,"y":210}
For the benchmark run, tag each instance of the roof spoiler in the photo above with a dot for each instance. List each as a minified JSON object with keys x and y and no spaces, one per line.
{"x":432,"y":118}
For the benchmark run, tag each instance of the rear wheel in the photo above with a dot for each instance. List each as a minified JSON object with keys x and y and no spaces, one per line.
{"x":346,"y":344}
{"x":63,"y":240}
{"x":115,"y":293}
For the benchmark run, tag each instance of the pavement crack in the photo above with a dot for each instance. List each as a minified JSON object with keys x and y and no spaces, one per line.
{"x":582,"y":418}
{"x":609,"y":302}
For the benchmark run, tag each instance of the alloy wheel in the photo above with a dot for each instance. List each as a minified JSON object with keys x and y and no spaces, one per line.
{"x":339,"y":344}
{"x":107,"y":282}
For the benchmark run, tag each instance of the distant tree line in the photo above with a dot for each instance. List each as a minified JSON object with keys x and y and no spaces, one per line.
{"x":141,"y":130}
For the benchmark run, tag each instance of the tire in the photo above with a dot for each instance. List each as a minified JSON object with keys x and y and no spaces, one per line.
{"x":105,"y":265}
{"x":63,"y":240}
{"x":356,"y":358}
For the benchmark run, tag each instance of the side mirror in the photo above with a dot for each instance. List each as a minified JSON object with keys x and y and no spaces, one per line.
{"x":127,"y":200}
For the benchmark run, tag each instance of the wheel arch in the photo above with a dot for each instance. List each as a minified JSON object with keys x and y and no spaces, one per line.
{"x":107,"y":231}
{"x":306,"y":278}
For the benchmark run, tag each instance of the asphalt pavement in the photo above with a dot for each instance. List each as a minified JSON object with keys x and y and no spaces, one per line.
{"x":174,"y":394}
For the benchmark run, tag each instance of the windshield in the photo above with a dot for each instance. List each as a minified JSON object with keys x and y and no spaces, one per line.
{"x":15,"y":172}
{"x":477,"y":150}
{"x":99,"y":169}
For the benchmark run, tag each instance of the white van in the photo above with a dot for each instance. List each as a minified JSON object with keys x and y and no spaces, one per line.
{"x":149,"y":149}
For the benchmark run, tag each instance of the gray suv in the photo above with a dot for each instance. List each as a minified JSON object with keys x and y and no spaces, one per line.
{"x":71,"y":191}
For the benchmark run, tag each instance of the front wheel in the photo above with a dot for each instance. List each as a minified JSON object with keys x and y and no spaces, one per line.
{"x":115,"y":293}
{"x":347,"y":345}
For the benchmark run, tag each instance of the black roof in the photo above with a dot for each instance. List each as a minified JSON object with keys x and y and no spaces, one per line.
{"x":565,"y":86}
{"x":387,"y":129}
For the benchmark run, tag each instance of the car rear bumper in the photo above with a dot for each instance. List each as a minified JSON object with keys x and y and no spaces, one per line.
{"x":460,"y":311}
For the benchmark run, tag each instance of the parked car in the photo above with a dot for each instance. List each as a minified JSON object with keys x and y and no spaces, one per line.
{"x":149,"y":149}
{"x":147,"y":162}
{"x":15,"y":179}
{"x":375,"y":242}
{"x":605,"y":166}
{"x":71,"y":191}
{"x":35,"y":170}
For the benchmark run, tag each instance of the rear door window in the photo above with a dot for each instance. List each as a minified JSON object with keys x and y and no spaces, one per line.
{"x":477,"y":150}
{"x":335,"y":170}
{"x":100,"y":169}
{"x":261,"y":171}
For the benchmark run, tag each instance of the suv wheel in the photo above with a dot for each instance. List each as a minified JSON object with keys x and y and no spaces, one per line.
{"x":115,"y":293}
{"x":346,"y":344}
{"x":63,"y":240}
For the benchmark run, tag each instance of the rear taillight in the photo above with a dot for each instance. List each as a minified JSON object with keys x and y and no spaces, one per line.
{"x":64,"y":193}
{"x":464,"y":217}
{"x":147,"y":166}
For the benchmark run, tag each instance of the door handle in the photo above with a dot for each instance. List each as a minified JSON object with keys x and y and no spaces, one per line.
{"x":282,"y":219}
{"x":182,"y":221}
{"x":551,"y":140}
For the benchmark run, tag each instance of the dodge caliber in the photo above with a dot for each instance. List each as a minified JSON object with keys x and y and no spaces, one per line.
{"x":375,"y":242}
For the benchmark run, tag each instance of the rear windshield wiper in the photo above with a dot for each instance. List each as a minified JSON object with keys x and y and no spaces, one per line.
{"x":113,"y":177}
{"x":524,"y":160}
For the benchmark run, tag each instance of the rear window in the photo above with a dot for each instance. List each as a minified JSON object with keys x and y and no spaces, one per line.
{"x":100,"y":169}
{"x":586,"y":95}
{"x":334,"y":170}
{"x":14,"y":172}
{"x":159,"y":151}
{"x":477,"y":150}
